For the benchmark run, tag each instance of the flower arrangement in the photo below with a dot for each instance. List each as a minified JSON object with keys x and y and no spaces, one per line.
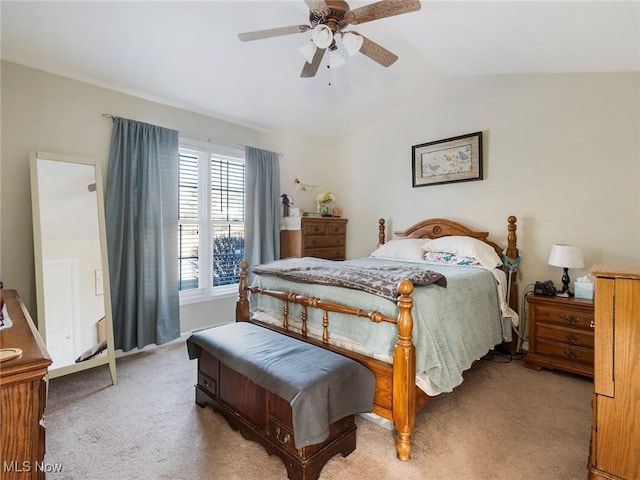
{"x":286,"y":201}
{"x":325,"y":197}
{"x":323,"y":202}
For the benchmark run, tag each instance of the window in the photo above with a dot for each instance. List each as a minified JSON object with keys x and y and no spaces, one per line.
{"x":211,"y":217}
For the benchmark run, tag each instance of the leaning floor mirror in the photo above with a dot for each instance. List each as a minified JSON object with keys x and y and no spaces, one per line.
{"x":70,"y":252}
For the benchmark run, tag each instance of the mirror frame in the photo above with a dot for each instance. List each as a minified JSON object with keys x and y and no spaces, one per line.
{"x":110,"y":357}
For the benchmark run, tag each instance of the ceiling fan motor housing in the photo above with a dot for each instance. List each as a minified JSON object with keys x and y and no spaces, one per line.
{"x":335,"y":19}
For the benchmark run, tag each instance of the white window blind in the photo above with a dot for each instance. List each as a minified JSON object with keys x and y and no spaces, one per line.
{"x":211,"y":216}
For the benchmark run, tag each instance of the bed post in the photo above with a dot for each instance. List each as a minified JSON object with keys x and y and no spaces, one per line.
{"x":242,"y":305}
{"x":512,"y":253}
{"x":381,"y":234}
{"x":404,"y":374}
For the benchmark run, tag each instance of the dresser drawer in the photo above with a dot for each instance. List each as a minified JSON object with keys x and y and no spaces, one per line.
{"x":566,"y":318}
{"x":571,"y":353}
{"x":328,"y":241}
{"x":328,"y":227}
{"x":338,"y":253}
{"x":580,"y":338}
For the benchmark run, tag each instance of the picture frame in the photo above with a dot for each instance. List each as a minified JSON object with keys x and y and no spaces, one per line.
{"x":455,"y":159}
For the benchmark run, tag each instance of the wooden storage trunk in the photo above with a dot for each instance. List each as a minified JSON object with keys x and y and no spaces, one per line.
{"x":266,"y":418}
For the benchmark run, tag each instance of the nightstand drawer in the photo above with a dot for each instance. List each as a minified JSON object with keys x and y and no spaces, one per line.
{"x":563,"y":317}
{"x":571,"y":353}
{"x":562,"y":335}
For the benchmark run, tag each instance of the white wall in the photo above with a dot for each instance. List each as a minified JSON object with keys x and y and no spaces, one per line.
{"x":561,"y":152}
{"x":41,"y":111}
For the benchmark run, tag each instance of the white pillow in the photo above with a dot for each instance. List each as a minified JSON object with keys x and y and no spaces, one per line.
{"x":466,"y":247}
{"x":400,"y":249}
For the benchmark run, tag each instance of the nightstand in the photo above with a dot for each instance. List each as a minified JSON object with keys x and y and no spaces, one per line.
{"x":560,"y":334}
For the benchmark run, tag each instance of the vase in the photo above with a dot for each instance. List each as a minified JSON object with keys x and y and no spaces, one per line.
{"x":324,"y":209}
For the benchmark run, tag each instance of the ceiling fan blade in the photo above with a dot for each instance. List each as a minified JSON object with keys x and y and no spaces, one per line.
{"x":318,"y":6}
{"x":272,"y":32}
{"x":377,"y":53}
{"x":382,"y":9}
{"x":310,"y":69}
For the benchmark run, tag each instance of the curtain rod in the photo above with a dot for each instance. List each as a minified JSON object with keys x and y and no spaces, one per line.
{"x":208,"y":138}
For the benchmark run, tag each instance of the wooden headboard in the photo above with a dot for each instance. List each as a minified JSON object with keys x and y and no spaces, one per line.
{"x":441,"y":227}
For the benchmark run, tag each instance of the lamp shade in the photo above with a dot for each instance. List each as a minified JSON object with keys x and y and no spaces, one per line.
{"x":322,"y":36}
{"x":308,"y":51}
{"x":352,"y":43}
{"x":335,"y":59}
{"x":566,"y":256}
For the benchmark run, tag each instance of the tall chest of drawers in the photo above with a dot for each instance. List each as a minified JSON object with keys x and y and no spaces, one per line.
{"x":615,"y":431}
{"x":320,"y":237}
{"x":560,"y":334}
{"x":22,"y":395}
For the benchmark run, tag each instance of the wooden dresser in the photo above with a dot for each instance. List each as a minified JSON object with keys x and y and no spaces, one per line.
{"x":560,"y":334}
{"x":320,"y":237}
{"x":22,"y":396}
{"x":615,"y":434}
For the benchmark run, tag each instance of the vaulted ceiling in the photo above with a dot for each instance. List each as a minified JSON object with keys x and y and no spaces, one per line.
{"x":187,"y":54}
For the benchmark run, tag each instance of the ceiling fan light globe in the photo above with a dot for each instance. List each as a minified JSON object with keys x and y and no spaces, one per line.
{"x":352,"y":43}
{"x":308,"y":50}
{"x":322,"y":36}
{"x":335,"y":59}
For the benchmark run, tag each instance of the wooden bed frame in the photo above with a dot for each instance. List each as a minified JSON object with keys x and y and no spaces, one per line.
{"x":397,"y":397}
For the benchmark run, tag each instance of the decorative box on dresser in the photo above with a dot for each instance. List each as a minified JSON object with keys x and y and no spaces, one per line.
{"x":615,"y":434}
{"x":560,"y":334}
{"x":22,"y":395}
{"x":321,"y":237}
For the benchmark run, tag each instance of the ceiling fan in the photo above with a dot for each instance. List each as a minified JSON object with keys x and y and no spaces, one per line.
{"x":329,"y":19}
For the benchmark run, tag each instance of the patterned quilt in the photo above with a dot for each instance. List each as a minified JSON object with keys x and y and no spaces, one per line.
{"x":382,"y":280}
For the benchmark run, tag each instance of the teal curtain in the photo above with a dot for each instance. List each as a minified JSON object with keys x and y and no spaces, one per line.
{"x":262,"y":222}
{"x":142,"y":233}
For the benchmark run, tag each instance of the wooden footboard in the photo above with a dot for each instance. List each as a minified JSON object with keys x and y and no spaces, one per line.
{"x":397,"y":397}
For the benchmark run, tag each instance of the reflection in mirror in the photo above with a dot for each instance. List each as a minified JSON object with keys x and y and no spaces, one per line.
{"x":74,"y":307}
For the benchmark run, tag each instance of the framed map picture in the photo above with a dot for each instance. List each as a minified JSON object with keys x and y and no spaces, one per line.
{"x":457,"y":159}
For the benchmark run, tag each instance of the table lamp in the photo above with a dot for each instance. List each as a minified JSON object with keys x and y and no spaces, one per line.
{"x":566,"y":256}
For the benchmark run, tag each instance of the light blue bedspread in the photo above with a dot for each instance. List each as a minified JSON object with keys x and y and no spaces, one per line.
{"x":453,"y":326}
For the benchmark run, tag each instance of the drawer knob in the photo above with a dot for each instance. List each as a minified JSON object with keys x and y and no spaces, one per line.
{"x":571,"y":354}
{"x":316,"y":229}
{"x":572,"y":319}
{"x":313,"y":242}
{"x":571,"y":337}
{"x":282,"y":439}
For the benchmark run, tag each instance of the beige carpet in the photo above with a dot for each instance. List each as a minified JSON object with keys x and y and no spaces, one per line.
{"x":503,"y":422}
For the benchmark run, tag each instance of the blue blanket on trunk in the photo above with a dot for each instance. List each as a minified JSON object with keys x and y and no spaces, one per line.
{"x":321,"y":386}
